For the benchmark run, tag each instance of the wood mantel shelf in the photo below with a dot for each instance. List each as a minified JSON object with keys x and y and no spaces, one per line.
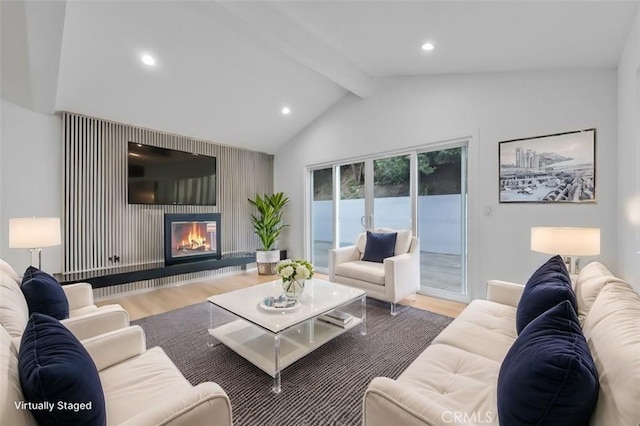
{"x":148,"y":271}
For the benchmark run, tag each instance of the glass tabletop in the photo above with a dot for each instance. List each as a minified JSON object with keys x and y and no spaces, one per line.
{"x":319,"y":297}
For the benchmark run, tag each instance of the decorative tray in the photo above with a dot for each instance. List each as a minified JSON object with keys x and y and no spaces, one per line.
{"x":278,"y":304}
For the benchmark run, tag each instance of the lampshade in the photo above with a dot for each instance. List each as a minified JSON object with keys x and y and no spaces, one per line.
{"x":566,"y":241}
{"x":34,"y":232}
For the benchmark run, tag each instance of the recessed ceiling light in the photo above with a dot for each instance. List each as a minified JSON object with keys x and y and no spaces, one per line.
{"x":148,"y":59}
{"x":286,"y":111}
{"x":428,"y":46}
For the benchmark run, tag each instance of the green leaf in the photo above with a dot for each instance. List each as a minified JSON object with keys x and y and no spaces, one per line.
{"x":267,"y":224}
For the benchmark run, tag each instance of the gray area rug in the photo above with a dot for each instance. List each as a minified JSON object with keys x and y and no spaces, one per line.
{"x":324,"y":388}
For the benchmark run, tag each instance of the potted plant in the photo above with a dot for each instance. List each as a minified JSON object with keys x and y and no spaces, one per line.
{"x":268,"y":226}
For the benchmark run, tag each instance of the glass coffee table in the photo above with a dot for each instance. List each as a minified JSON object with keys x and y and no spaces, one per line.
{"x":273,"y":339}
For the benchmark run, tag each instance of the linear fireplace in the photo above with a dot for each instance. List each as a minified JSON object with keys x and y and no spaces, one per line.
{"x":191,"y":237}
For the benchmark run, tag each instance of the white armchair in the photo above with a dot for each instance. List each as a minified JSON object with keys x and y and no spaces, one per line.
{"x":391,"y":281}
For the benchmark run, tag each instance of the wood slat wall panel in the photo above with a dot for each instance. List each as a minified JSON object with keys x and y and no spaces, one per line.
{"x":98,"y":222}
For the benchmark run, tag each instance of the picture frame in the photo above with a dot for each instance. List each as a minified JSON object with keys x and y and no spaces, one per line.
{"x":556,"y":168}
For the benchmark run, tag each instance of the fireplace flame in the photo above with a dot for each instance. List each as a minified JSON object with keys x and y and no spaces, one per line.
{"x":193,"y":238}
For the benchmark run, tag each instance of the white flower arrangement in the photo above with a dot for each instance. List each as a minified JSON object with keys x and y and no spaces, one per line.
{"x":298,"y":270}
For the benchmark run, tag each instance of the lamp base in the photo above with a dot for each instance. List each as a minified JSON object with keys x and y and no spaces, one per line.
{"x":33,"y":251}
{"x":572,"y":264}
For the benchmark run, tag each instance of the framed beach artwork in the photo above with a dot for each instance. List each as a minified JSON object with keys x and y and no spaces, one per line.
{"x":559,"y":168}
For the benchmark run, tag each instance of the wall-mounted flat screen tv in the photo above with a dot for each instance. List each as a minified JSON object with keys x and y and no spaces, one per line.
{"x":166,"y":176}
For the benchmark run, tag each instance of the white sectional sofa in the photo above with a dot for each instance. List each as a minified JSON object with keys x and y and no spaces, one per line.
{"x":141,"y":386}
{"x":85,"y":318}
{"x":454,"y":380}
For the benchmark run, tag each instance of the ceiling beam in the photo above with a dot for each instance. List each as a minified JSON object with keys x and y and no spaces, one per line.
{"x":282,"y":32}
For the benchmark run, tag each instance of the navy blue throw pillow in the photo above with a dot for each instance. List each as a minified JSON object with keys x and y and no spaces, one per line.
{"x":548,"y":377}
{"x":58,"y":376}
{"x":549,"y":285}
{"x":379,"y":246}
{"x":44,"y":294}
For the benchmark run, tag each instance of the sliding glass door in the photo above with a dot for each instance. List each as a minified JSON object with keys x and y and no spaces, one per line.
{"x":351,"y":210}
{"x":321,"y":217}
{"x":442,"y":191}
{"x":392,"y":192}
{"x":423,"y":190}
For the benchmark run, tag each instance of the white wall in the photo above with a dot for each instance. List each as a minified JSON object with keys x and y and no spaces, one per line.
{"x":629,"y":156}
{"x":30,"y":178}
{"x":413,"y":111}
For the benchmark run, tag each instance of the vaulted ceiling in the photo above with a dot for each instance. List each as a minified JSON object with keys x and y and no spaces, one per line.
{"x":225,"y":69}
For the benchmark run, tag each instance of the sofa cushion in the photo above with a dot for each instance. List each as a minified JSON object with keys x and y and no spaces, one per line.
{"x":361,"y":241}
{"x":83,"y":311}
{"x":549,"y":285}
{"x":10,"y":389}
{"x":371,"y":272}
{"x":5,"y":267}
{"x":483,"y":328}
{"x":379,"y":246}
{"x":403,"y":241}
{"x":612,"y":330}
{"x":14,"y":311}
{"x":548,"y":375}
{"x":140,"y":384}
{"x":44,"y":294}
{"x":54,"y":367}
{"x":456,"y":379}
{"x":592,"y":278}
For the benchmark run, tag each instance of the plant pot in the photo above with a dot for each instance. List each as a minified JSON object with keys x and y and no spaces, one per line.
{"x":267,"y":261}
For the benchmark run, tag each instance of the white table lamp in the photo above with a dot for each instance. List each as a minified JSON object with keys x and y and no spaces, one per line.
{"x":33,"y":233}
{"x":566,"y":242}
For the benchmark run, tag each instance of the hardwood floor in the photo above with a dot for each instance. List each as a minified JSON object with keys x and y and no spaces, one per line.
{"x":154,"y":302}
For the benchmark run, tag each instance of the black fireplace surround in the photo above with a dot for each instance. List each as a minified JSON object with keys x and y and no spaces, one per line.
{"x":191,"y":237}
{"x":206,"y":251}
